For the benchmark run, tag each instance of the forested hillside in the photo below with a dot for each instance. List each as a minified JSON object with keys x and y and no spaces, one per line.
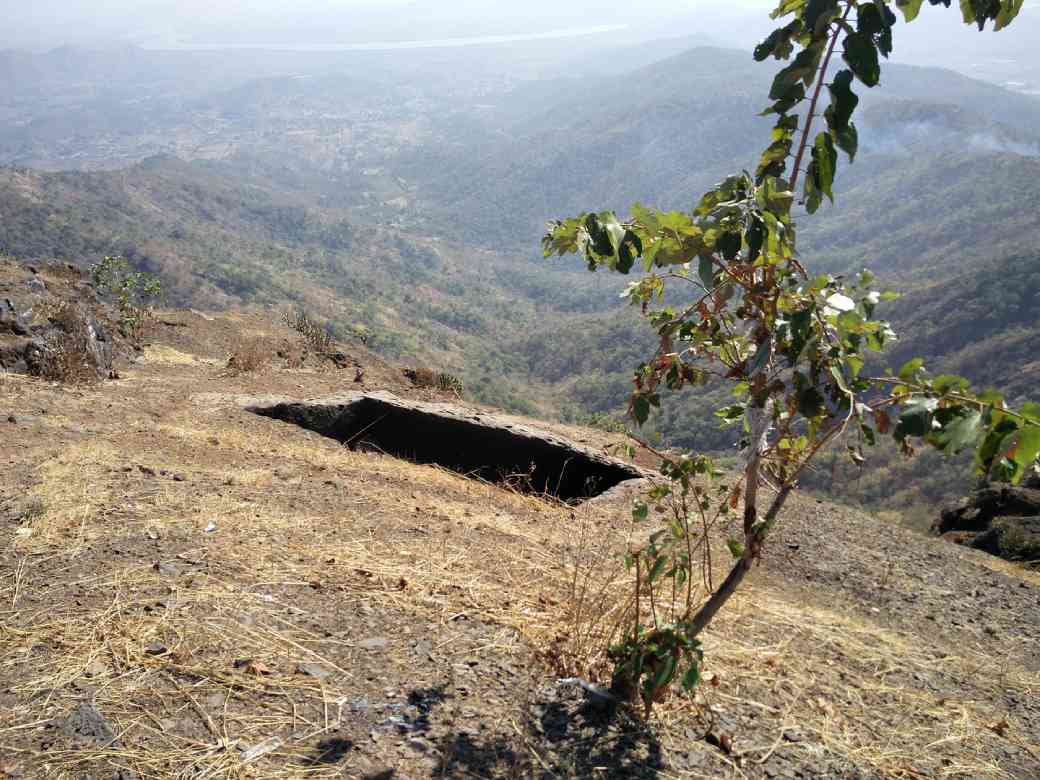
{"x":411,"y":217}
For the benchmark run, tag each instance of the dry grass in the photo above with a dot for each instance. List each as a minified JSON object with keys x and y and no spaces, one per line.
{"x":249,"y":356}
{"x":163,"y":354}
{"x":416,"y":542}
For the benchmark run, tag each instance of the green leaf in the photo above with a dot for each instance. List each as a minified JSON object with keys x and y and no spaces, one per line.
{"x":811,"y":403}
{"x":692,"y":678}
{"x":916,"y":419}
{"x":736,"y":548}
{"x":875,"y":21}
{"x":818,"y":14}
{"x":862,"y":57}
{"x":910,"y":8}
{"x":839,"y":113}
{"x":729,"y":245}
{"x":1022,"y":450}
{"x":657,"y":569}
{"x":778,"y":44}
{"x":640,"y":408}
{"x":730,"y":413}
{"x":826,"y":158}
{"x":959,"y":429}
{"x":813,"y":195}
{"x":909,"y":370}
{"x":665,"y":674}
{"x":640,"y":510}
{"x":802,"y":69}
{"x":706,"y":273}
{"x":1008,"y":11}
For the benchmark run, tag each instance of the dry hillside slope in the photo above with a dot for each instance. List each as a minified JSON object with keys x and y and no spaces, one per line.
{"x":190,"y":590}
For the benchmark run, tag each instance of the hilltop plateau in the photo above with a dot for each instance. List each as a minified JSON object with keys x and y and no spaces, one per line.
{"x":190,"y":589}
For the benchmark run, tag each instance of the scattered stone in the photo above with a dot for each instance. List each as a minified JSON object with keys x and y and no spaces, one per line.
{"x":312,"y":670}
{"x":147,"y":471}
{"x":95,"y":668}
{"x":215,"y":701}
{"x":261,"y":748}
{"x":252,"y":667}
{"x":85,"y":725}
{"x":373,"y":643}
{"x":419,"y":745}
{"x":167,"y":568}
{"x":178,"y":478}
{"x":157,"y":648}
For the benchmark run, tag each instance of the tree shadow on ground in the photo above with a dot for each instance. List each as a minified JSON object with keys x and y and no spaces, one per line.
{"x":575,"y":736}
{"x":330,"y":751}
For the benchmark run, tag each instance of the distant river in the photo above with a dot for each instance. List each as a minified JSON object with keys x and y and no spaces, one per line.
{"x":574,"y":32}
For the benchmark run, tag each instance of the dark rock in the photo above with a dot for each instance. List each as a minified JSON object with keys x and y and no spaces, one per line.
{"x":341,"y":359}
{"x":36,"y":285}
{"x":1002,"y":520}
{"x":452,"y":436}
{"x":13,"y":354}
{"x":1012,"y":538}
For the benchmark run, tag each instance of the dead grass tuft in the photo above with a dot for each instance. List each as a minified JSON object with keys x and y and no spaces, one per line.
{"x":249,"y":356}
{"x":69,"y":353}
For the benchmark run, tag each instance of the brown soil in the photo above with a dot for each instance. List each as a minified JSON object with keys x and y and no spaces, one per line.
{"x":189,"y":590}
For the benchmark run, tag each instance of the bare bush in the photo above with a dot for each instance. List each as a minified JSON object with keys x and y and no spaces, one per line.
{"x":426,"y":377}
{"x":248,"y":356}
{"x":70,"y":352}
{"x":313,"y":332}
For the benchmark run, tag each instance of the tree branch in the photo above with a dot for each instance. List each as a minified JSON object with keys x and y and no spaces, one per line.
{"x":820,"y":76}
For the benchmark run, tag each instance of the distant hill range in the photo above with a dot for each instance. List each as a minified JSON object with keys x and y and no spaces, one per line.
{"x":416,"y":219}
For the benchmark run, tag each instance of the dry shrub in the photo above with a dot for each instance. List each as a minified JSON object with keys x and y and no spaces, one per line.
{"x":68,"y":354}
{"x":313,"y":332}
{"x":249,"y":356}
{"x":426,"y":377}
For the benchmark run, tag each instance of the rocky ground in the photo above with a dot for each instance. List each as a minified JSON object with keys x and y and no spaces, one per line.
{"x":190,"y":590}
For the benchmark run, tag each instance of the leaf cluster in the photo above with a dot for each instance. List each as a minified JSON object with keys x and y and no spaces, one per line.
{"x":793,"y":347}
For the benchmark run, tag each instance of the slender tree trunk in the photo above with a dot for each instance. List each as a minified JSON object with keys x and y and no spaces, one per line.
{"x":736,"y":576}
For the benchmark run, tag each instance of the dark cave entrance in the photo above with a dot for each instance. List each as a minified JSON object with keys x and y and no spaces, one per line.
{"x":464,"y":441}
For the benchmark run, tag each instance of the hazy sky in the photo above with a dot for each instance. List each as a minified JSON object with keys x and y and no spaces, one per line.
{"x":52,"y":22}
{"x":47,"y":23}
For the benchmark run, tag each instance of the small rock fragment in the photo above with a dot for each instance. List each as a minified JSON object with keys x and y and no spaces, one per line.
{"x":261,"y":748}
{"x":166,"y":568}
{"x":373,"y":643}
{"x":312,"y":670}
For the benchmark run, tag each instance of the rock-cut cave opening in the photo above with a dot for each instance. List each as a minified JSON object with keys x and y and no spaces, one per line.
{"x":474,"y":444}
